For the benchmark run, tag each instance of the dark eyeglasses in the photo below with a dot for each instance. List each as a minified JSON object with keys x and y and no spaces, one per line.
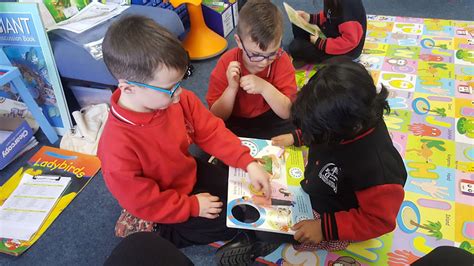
{"x":260,"y":57}
{"x":170,"y":92}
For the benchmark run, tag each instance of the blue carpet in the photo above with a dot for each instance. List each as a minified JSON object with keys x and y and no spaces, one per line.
{"x":83,"y":233}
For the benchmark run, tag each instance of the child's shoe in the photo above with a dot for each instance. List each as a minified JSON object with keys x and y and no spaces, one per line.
{"x":242,"y":250}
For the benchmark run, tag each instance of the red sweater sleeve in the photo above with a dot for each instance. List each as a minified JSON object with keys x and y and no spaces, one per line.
{"x":351,"y":34}
{"x":217,"y":82}
{"x":285,"y":78}
{"x":213,"y":137}
{"x":142,"y":196}
{"x":376,"y":215}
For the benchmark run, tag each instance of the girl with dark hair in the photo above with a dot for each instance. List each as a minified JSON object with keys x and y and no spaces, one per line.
{"x":354,"y":175}
{"x":343,"y":22}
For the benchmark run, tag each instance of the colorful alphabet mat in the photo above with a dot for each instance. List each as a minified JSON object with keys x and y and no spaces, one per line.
{"x":428,"y":65}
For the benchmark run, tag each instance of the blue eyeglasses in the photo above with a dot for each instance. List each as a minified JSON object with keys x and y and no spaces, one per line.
{"x":188,"y":73}
{"x":170,"y":92}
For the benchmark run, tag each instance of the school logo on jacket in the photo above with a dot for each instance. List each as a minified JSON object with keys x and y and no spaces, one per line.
{"x":329,"y":174}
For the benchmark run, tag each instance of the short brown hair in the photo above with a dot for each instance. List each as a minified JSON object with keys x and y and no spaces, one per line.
{"x":262,"y":21}
{"x":134,"y":47}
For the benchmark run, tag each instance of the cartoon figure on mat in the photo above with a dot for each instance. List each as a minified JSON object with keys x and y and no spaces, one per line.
{"x":271,"y":164}
{"x":420,"y":129}
{"x":433,"y":189}
{"x":421,"y":106}
{"x":465,"y":55}
{"x":433,"y":228}
{"x":433,"y":68}
{"x":431,"y":57}
{"x":426,"y":148}
{"x":465,"y":126}
{"x":344,"y":261}
{"x":397,"y":61}
{"x":292,"y":257}
{"x":467,"y":187}
{"x":401,"y":257}
{"x":262,"y":201}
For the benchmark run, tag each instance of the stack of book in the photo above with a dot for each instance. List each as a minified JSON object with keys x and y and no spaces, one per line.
{"x":16,"y":138}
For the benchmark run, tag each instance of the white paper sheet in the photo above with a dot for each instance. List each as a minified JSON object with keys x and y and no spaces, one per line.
{"x":30,"y":203}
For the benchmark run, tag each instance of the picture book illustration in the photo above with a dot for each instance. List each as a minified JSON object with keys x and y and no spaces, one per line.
{"x":298,"y":21}
{"x":427,"y":65}
{"x":25,"y":45}
{"x":288,"y":204}
{"x":63,"y":9}
{"x":79,"y":168}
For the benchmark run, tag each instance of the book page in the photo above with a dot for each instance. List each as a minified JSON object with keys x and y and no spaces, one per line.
{"x":300,"y":22}
{"x":30,"y":203}
{"x":288,"y":203}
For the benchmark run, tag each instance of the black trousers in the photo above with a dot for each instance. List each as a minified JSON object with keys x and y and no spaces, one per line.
{"x":446,"y":255}
{"x":146,"y":248}
{"x":302,"y":49}
{"x":264,"y":126}
{"x":150,"y":249}
{"x":199,"y":230}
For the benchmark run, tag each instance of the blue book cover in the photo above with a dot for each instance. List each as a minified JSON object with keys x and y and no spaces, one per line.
{"x":15,"y":143}
{"x":26,"y":45}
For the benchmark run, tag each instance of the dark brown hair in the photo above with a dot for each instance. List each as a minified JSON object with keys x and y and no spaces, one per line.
{"x":262,"y":21}
{"x":134,"y":47}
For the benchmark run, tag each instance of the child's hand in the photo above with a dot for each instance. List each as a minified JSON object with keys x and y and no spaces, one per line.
{"x":308,"y":231}
{"x":313,"y":39}
{"x":305,"y":16}
{"x":233,"y":74}
{"x":284,"y":140}
{"x":253,"y":84}
{"x":209,"y":205}
{"x":259,"y":178}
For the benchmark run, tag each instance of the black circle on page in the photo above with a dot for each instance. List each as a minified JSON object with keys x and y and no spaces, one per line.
{"x":245,"y":213}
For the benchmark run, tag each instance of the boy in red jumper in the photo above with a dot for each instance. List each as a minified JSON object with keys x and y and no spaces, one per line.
{"x":252,"y":86}
{"x":343,"y":22}
{"x":144,"y":146}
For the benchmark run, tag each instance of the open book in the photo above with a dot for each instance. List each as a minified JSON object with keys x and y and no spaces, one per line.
{"x":288,"y":204}
{"x":76,"y":16}
{"x":298,"y":21}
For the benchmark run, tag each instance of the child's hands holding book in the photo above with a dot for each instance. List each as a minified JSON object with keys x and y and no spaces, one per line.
{"x":259,"y":178}
{"x":233,"y":74}
{"x":308,"y":231}
{"x":304,"y":15}
{"x":284,"y":140}
{"x":209,"y":205}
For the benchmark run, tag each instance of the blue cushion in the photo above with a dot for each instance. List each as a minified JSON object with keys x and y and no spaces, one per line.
{"x":75,"y":62}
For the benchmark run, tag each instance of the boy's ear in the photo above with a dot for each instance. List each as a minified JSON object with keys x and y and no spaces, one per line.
{"x":238,"y":41}
{"x":125,"y":87}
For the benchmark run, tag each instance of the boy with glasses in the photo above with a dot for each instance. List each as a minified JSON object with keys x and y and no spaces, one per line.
{"x":253,"y":85}
{"x":144,"y":146}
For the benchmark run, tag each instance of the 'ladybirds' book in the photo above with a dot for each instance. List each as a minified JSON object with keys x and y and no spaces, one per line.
{"x":49,"y":161}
